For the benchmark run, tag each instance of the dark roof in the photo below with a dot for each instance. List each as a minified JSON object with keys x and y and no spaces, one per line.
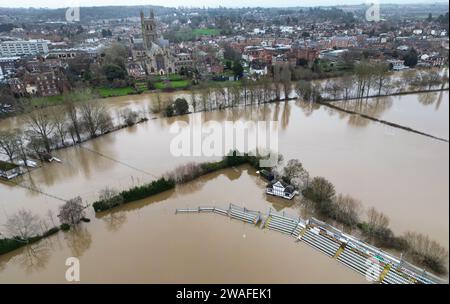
{"x":5,"y":166}
{"x":289,"y":189}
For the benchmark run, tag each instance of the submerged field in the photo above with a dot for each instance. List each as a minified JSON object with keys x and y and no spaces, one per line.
{"x":396,"y":171}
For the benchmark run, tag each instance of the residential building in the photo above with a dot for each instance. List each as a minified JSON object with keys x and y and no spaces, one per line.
{"x":23,"y":47}
{"x":9,"y":170}
{"x":281,"y":189}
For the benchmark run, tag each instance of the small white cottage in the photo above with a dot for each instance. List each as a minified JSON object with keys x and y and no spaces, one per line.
{"x":281,"y":189}
{"x":9,"y":170}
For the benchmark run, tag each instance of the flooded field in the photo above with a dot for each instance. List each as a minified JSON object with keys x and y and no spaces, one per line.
{"x":398,"y":172}
{"x":146,"y":242}
{"x":425,"y":112}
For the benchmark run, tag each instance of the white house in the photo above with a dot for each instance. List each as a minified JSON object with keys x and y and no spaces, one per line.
{"x":281,"y":189}
{"x":258,"y":69}
{"x":397,"y":65}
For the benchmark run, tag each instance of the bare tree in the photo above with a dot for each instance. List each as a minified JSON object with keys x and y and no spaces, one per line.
{"x":40,"y":122}
{"x":295,"y":174}
{"x":427,"y":252}
{"x":333,"y":88}
{"x":9,"y":143}
{"x":346,"y":83}
{"x":110,"y":197}
{"x":158,"y":102}
{"x":205,"y":93}
{"x":22,"y":225}
{"x":72,"y":211}
{"x":35,"y":143}
{"x":75,"y":127}
{"x":60,"y":121}
{"x":381,"y":75}
{"x":236,"y":95}
{"x":193,"y":99}
{"x":321,"y":190}
{"x":94,"y":117}
{"x":347,"y":209}
{"x":130,"y":117}
{"x":376,"y":221}
{"x":184,"y":173}
{"x":303,"y":90}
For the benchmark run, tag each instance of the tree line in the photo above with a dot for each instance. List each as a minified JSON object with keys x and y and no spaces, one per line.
{"x":75,"y":121}
{"x":320,"y":194}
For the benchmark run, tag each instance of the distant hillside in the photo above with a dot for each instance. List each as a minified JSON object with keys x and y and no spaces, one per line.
{"x":86,"y":13}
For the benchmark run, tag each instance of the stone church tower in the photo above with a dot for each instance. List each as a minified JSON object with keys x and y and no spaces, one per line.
{"x":149,"y":29}
{"x":158,"y":58}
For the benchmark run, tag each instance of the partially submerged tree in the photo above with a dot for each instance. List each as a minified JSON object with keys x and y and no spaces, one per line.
{"x":346,"y":210}
{"x":22,"y":225}
{"x":9,"y":143}
{"x":95,"y":117}
{"x":72,"y":211}
{"x":110,"y":197}
{"x":426,"y":252}
{"x":294,"y":173}
{"x":320,"y":190}
{"x":40,"y":122}
{"x":181,"y":106}
{"x":130,"y":117}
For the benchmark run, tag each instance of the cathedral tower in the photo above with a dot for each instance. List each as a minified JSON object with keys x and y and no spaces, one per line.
{"x":149,"y":29}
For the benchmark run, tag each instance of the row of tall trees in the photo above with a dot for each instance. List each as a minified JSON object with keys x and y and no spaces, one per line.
{"x":61,"y":126}
{"x":369,"y":79}
{"x":375,"y":79}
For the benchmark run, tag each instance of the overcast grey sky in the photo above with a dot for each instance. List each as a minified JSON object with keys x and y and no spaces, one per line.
{"x":197,"y":3}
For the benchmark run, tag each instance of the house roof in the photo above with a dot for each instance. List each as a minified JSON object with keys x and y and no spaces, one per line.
{"x":281,"y":183}
{"x":5,"y":166}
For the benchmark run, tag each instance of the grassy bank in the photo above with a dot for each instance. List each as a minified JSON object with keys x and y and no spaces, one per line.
{"x":173,"y":84}
{"x":114,"y":92}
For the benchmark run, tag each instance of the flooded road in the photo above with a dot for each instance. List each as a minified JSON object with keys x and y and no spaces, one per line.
{"x":402,"y":174}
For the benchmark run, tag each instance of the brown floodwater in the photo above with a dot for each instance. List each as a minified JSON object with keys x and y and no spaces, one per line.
{"x":426,"y":112}
{"x":146,"y":242}
{"x":402,"y":174}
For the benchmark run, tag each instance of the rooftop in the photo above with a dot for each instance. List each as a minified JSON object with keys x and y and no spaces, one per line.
{"x":5,"y":166}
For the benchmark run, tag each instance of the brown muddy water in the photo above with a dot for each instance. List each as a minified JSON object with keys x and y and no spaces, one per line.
{"x":405,"y":175}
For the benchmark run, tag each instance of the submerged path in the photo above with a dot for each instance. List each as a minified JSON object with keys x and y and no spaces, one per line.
{"x":392,"y":124}
{"x":34,"y":189}
{"x":373,"y":263}
{"x":118,"y":161}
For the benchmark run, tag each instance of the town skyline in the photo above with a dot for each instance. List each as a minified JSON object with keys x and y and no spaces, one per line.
{"x":55,"y":4}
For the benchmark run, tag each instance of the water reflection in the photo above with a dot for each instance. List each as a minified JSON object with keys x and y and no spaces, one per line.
{"x":278,"y":204}
{"x":428,"y":99}
{"x":78,"y":240}
{"x":114,"y":220}
{"x":373,"y":107}
{"x":307,"y":107}
{"x":34,"y":257}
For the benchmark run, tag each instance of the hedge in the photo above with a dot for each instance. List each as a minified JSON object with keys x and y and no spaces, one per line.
{"x":137,"y":193}
{"x":7,"y":245}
